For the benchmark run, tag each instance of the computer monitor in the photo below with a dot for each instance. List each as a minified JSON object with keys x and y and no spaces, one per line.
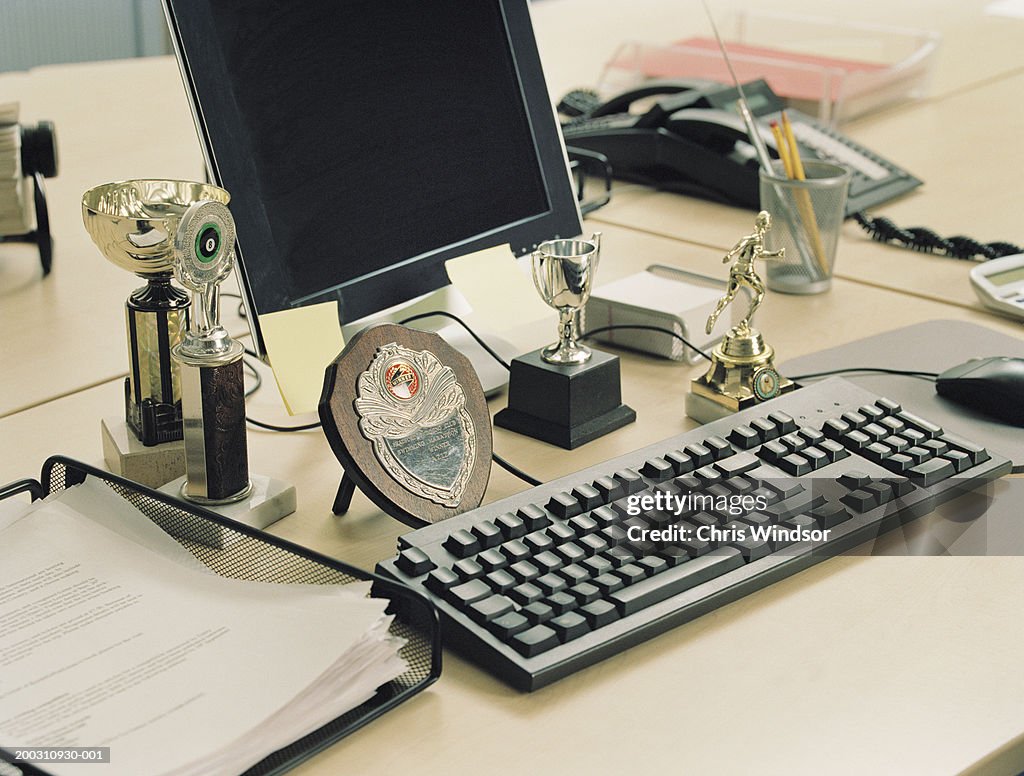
{"x":365,"y":142}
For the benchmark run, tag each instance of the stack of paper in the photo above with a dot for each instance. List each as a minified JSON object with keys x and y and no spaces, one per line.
{"x":15,"y":197}
{"x":113,"y":635}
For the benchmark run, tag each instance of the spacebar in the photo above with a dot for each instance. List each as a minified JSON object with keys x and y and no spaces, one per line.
{"x":694,"y":572}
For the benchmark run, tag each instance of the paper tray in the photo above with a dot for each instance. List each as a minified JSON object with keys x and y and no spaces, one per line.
{"x":258,"y":557}
{"x":833,"y":70}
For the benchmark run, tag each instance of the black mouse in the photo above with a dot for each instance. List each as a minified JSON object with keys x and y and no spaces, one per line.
{"x":993,"y":386}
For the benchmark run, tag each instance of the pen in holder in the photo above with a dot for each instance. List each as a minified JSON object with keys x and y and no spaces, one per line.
{"x":808,"y":212}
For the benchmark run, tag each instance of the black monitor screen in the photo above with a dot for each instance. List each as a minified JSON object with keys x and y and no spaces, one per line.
{"x":365,"y":141}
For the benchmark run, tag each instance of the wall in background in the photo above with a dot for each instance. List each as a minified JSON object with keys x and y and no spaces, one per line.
{"x":39,"y":32}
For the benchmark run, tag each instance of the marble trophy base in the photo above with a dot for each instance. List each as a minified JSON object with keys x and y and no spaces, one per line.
{"x":267,"y":502}
{"x":127,"y":457}
{"x":566,"y":406}
{"x":742,"y":374}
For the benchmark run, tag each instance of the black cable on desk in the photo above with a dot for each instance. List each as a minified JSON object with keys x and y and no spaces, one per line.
{"x":641,"y":327}
{"x":883,"y":370}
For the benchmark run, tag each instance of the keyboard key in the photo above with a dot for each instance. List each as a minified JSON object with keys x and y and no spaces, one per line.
{"x":681,"y":462}
{"x":773,"y":451}
{"x":500,"y":581}
{"x":631,"y":481}
{"x":817,"y":458}
{"x":647,"y":592}
{"x":582,"y":525}
{"x":872,"y":412}
{"x":515,"y":551}
{"x":896,"y":443}
{"x":605,"y":516}
{"x":834,"y":450}
{"x":630,"y":573}
{"x":830,"y":515}
{"x":534,"y":641}
{"x":594,"y":544}
{"x":547,"y":561}
{"x":561,"y":602}
{"x":876,"y":431}
{"x":744,"y":437}
{"x":487,"y":533}
{"x":569,"y":626}
{"x":524,"y":571}
{"x":860,"y":500}
{"x":795,"y":464}
{"x":889,"y":406}
{"x":930,"y":430}
{"x":835,"y":428}
{"x":564,"y":505}
{"x":719,"y":447}
{"x":812,"y":435}
{"x":525,"y":594}
{"x":538,"y":542}
{"x":587,"y":496}
{"x":765,"y":428}
{"x":933,"y":471}
{"x":700,"y":454}
{"x":795,"y":505}
{"x":440,"y":580}
{"x":469,"y":592}
{"x":652,"y":564}
{"x":976,"y":453}
{"x":898,"y":463}
{"x":918,"y":454}
{"x":573,"y":574}
{"x":784,"y":421}
{"x":538,"y":612}
{"x":854,"y":479}
{"x":534,"y":517}
{"x":882,"y":490}
{"x":461,"y":543}
{"x":599,"y":613}
{"x":597,"y":565}
{"x":657,"y":469}
{"x":960,"y":460}
{"x":468,"y":569}
{"x":414,"y":562}
{"x":855,"y":419}
{"x":856,"y":440}
{"x":511,"y":526}
{"x":608,"y":584}
{"x":609,"y":488}
{"x":585,"y":592}
{"x":737,"y":464}
{"x":492,"y":559}
{"x":508,"y":625}
{"x":550,"y":584}
{"x":560,"y":533}
{"x":794,"y":442}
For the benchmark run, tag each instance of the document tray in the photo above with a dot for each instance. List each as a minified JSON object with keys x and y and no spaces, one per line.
{"x":255,"y":556}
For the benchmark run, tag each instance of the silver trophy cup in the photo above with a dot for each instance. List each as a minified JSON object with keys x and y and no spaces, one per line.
{"x":563,"y":271}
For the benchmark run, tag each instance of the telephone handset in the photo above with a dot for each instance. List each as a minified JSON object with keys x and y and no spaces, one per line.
{"x":691,"y":139}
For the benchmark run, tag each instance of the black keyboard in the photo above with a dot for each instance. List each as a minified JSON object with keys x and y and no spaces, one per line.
{"x":539,"y":585}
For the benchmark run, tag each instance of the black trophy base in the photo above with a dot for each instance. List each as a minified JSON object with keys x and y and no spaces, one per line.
{"x":566,"y":406}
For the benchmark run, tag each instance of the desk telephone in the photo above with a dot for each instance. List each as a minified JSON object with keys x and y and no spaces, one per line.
{"x":692,"y":140}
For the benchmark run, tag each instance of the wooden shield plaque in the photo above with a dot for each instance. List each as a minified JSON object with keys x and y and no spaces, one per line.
{"x":406,"y":416}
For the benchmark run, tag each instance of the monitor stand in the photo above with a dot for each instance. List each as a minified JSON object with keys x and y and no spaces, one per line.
{"x":493,"y":376}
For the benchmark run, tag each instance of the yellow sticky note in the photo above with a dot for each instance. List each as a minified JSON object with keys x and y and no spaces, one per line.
{"x":300,"y":344}
{"x":502,"y":296}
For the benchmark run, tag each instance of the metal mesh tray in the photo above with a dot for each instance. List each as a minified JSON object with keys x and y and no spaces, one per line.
{"x":251,"y":555}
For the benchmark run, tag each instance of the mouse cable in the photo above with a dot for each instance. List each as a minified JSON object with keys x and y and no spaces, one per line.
{"x":880,"y":369}
{"x":925,"y":240}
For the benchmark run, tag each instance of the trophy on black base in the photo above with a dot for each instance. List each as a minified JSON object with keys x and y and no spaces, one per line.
{"x":212,"y":382}
{"x":742,"y":371}
{"x":565,"y":394}
{"x":133,"y":224}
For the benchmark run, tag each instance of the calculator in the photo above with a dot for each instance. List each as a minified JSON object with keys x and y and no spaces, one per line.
{"x":999,"y":284}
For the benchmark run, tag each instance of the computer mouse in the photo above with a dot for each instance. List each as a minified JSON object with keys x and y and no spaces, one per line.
{"x":993,"y":386}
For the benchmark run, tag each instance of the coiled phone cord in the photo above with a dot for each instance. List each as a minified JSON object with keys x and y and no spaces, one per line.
{"x":925,"y":240}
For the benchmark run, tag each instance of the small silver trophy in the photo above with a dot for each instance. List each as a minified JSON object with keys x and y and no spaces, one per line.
{"x":565,"y":394}
{"x":563,"y":271}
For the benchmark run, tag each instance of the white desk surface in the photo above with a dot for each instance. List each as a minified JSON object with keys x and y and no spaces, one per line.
{"x":858,"y":665}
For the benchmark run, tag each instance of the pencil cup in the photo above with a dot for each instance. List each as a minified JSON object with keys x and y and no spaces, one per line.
{"x":806,"y":218}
